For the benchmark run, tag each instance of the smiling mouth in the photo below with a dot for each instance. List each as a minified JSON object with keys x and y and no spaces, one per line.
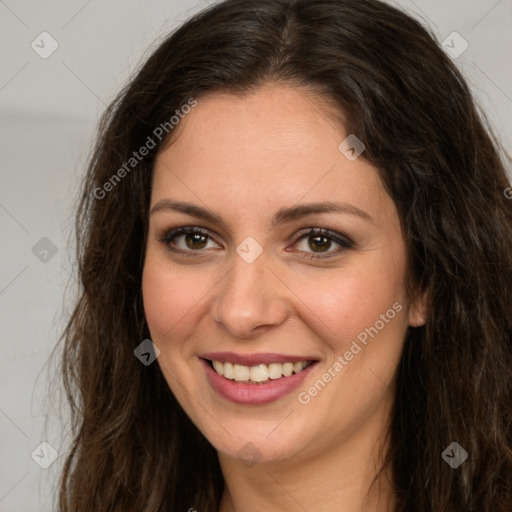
{"x":258,"y":374}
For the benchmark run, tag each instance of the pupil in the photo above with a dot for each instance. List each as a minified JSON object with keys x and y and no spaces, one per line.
{"x":317,"y":243}
{"x":195,"y":240}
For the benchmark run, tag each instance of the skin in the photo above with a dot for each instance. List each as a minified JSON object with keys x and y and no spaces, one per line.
{"x":246,"y":157}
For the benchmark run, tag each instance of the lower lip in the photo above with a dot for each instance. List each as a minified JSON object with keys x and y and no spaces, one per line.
{"x":254,"y":394}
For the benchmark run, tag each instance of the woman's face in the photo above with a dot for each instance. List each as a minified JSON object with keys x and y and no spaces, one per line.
{"x":297,"y":257}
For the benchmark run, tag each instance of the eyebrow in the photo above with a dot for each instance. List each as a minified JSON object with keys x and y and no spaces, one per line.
{"x":282,"y":216}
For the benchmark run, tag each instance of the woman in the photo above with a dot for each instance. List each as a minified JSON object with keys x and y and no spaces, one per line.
{"x":295,"y":249}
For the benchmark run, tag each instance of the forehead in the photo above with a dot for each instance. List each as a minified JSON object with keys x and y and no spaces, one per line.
{"x":275,"y":146}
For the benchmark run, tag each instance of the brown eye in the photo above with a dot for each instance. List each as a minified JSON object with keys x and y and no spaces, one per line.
{"x":322,"y":241}
{"x":188,"y":239}
{"x":195,"y":241}
{"x":319,"y":243}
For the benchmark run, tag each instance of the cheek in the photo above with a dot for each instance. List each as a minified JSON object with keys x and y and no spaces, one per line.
{"x":353,"y":302}
{"x":170,"y":297}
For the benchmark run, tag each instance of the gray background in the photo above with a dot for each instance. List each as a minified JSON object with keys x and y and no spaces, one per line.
{"x":49,"y":109}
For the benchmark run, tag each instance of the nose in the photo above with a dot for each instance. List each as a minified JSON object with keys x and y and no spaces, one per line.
{"x":251,"y":299}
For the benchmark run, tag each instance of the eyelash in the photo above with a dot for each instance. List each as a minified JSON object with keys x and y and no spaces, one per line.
{"x":345,"y":243}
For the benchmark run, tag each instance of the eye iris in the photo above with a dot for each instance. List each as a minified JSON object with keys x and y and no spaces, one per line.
{"x":195,"y":240}
{"x":319,"y":242}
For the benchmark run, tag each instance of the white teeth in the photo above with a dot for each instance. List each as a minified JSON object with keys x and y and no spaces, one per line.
{"x":259,"y":373}
{"x":241,"y":372}
{"x":219,"y":367}
{"x":287,"y":369}
{"x":297,"y":367}
{"x":229,"y":371}
{"x":275,"y":370}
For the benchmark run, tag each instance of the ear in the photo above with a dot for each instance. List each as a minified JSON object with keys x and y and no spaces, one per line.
{"x":418,"y":311}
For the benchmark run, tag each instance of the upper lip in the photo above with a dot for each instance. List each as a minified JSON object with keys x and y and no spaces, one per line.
{"x":254,"y":359}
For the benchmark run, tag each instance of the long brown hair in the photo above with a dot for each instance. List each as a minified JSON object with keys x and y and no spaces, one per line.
{"x":133,"y":446}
